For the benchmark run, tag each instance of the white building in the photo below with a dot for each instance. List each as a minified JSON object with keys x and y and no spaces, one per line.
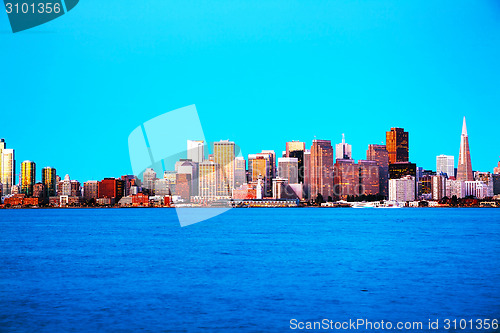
{"x":438,"y":185}
{"x":288,"y":167}
{"x":343,"y":150}
{"x":455,"y":187}
{"x":445,"y":164}
{"x":148,"y":180}
{"x":402,"y":189}
{"x":196,"y":150}
{"x":7,"y":168}
{"x":478,"y":189}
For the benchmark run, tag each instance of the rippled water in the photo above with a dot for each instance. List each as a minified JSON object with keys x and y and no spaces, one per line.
{"x":249,"y":270}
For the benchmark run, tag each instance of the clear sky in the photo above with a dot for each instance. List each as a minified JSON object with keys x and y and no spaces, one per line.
{"x":260,"y":73}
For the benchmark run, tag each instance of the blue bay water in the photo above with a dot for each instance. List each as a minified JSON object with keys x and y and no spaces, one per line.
{"x":248,"y":270}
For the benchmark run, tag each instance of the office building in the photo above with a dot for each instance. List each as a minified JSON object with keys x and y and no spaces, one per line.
{"x":224,"y":155}
{"x":379,"y":154}
{"x":296,"y":149}
{"x":369,"y":177}
{"x":343,"y":151}
{"x":129,"y":181}
{"x":272,"y":159}
{"x":496,"y":170}
{"x":49,"y":181}
{"x":7,"y":168}
{"x":164,"y":187}
{"x":400,"y":169}
{"x":346,"y":178}
{"x":259,"y":167}
{"x":196,"y":150}
{"x":445,"y":165}
{"x":39,"y":191}
{"x":438,"y":185}
{"x":288,"y":168}
{"x":148,"y":181}
{"x":240,"y":171}
{"x":397,"y":145}
{"x":321,"y":169}
{"x":464,"y":171}
{"x":455,"y":188}
{"x":28,"y":177}
{"x":306,"y":174}
{"x":292,"y":146}
{"x":402,"y":190}
{"x":209,"y":179}
{"x":91,"y":190}
{"x":111,"y":188}
{"x":183,"y":186}
{"x":188,"y":167}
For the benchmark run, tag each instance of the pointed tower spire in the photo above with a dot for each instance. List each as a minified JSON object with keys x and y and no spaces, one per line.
{"x":464,"y":170}
{"x":343,"y":138}
{"x":464,"y":128}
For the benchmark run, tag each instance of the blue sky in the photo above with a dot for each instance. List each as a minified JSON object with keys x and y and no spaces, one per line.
{"x":260,"y":73}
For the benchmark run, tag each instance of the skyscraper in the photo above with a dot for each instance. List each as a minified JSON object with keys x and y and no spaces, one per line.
{"x":259,"y":167}
{"x":288,"y":168}
{"x":294,"y":146}
{"x":321,"y":166}
{"x":402,"y":189}
{"x":397,"y":145}
{"x":148,"y":183}
{"x":28,"y":177}
{"x":343,"y":150}
{"x":240,"y":171}
{"x":346,"y":178}
{"x":297,"y":149}
{"x":445,"y":164}
{"x":464,"y":171}
{"x":224,"y":155}
{"x":7,"y":167}
{"x":209,"y":180}
{"x":369,"y":177}
{"x":379,"y":154}
{"x":196,"y":150}
{"x":496,"y":170}
{"x":49,"y":181}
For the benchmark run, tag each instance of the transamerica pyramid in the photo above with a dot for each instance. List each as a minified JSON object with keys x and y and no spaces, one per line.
{"x":464,"y":171}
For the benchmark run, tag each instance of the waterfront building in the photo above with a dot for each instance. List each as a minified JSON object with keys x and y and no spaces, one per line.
{"x":112,"y":188}
{"x":478,"y":189}
{"x":240,"y":171}
{"x":379,"y":154}
{"x":279,"y":188}
{"x":224,"y":155}
{"x":28,"y":177}
{"x":49,"y":181}
{"x":343,"y":151}
{"x":464,"y":171}
{"x":403,"y":189}
{"x":196,"y":150}
{"x":397,"y":145}
{"x":321,"y":169}
{"x":445,"y":164}
{"x":438,"y":184}
{"x":164,"y":187}
{"x":369,"y":177}
{"x":209,"y":179}
{"x":7,"y":168}
{"x":346,"y":178}
{"x":91,"y":190}
{"x":288,"y":168}
{"x":148,"y":181}
{"x":496,"y":183}
{"x":188,"y":167}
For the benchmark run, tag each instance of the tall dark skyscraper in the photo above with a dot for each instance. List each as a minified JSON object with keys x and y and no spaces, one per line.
{"x":397,"y":145}
{"x":464,"y":163}
{"x":321,"y":169}
{"x":49,"y":181}
{"x":296,"y":149}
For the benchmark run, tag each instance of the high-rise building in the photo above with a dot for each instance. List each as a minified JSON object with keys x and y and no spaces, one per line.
{"x":400,"y":169}
{"x":397,"y":145}
{"x":68,"y":187}
{"x":438,"y":187}
{"x":129,"y":181}
{"x":39,"y":191}
{"x":379,"y":154}
{"x":7,"y":168}
{"x":306,"y":173}
{"x":297,"y":149}
{"x":196,"y":150}
{"x":49,"y":181}
{"x":445,"y":165}
{"x":210,"y":178}
{"x":188,"y":167}
{"x":343,"y":151}
{"x":288,"y":168}
{"x":164,"y":187}
{"x":321,"y":165}
{"x":183,"y":186}
{"x":240,"y":171}
{"x":259,"y":167}
{"x":111,"y":188}
{"x":224,"y":155}
{"x":91,"y":190}
{"x":369,"y":177}
{"x":149,"y":178}
{"x":28,"y":177}
{"x":272,"y":159}
{"x":464,"y":171}
{"x":346,"y":179}
{"x":292,"y":146}
{"x":402,"y":189}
